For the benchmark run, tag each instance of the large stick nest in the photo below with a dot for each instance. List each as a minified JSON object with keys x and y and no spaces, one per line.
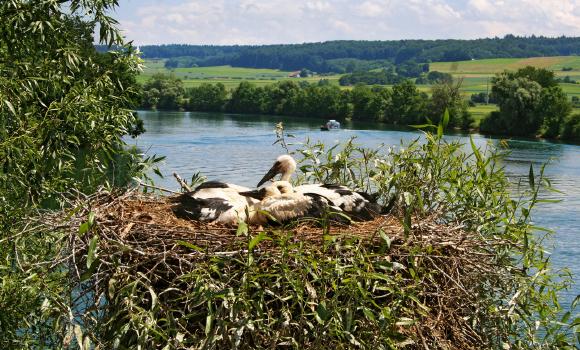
{"x":139,"y":234}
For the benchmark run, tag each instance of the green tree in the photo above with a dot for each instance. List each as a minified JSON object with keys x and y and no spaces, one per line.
{"x":554,"y":107}
{"x":530,"y":103}
{"x":447,"y":95}
{"x":408,"y":105}
{"x":64,"y":109}
{"x":361,"y":97}
{"x":546,"y":78}
{"x":571,"y":129}
{"x":163,"y":92}
{"x":206,"y":98}
{"x":435,"y":76}
{"x":246,"y":98}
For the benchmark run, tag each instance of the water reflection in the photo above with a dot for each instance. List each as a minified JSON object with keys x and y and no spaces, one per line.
{"x":239,"y":148}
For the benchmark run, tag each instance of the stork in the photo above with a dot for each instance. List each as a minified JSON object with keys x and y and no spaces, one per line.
{"x":358,"y":205}
{"x":216,"y":202}
{"x":279,"y":203}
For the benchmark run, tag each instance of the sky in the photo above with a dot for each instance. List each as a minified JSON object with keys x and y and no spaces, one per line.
{"x":225,"y":22}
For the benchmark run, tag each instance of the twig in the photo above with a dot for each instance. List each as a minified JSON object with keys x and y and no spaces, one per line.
{"x":182,"y":182}
{"x":158,"y":188}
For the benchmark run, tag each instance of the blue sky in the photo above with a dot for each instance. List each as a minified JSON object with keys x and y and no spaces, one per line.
{"x":297,"y":21}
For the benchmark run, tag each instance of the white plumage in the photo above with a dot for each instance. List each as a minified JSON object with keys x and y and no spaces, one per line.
{"x":358,"y":205}
{"x":279,"y":203}
{"x":216,"y":202}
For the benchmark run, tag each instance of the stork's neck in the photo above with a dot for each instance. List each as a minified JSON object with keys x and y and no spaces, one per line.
{"x":286,"y":176}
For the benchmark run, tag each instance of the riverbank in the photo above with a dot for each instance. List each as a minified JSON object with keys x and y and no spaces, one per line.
{"x":530,"y":103}
{"x":478,"y":113}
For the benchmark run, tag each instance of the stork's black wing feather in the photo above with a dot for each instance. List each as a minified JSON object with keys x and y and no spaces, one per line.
{"x":322,"y":207}
{"x":202,"y":209}
{"x":211,"y":184}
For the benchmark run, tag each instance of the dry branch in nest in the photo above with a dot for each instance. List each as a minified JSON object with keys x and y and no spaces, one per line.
{"x":432,"y":277}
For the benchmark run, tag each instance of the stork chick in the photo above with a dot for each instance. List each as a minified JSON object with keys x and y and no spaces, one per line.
{"x":358,"y":205}
{"x":279,"y":203}
{"x":215,"y":202}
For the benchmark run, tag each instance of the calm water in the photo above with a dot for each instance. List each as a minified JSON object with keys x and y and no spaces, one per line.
{"x":239,"y":149}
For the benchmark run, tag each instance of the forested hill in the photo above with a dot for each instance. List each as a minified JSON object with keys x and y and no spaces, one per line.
{"x":323,"y":57}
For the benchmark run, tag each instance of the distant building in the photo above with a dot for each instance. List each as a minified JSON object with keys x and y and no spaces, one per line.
{"x":295,"y":74}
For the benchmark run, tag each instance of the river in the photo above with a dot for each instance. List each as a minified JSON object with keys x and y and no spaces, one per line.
{"x":239,"y":149}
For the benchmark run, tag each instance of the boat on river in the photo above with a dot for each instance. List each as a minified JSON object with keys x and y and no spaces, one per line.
{"x":330,"y":125}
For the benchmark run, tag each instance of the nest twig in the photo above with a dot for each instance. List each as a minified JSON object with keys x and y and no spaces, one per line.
{"x":139,"y":234}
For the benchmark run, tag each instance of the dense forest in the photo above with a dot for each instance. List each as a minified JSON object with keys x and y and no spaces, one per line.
{"x":392,"y":75}
{"x":345,"y":56}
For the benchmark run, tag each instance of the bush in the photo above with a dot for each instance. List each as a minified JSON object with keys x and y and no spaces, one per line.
{"x":571,"y":129}
{"x":530,"y":104}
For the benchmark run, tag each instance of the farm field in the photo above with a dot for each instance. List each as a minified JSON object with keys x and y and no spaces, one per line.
{"x":496,"y":65}
{"x":481,"y":111}
{"x":476,"y":74}
{"x":227,"y":75}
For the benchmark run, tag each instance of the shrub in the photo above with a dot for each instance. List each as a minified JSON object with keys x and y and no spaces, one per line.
{"x":571,"y":129}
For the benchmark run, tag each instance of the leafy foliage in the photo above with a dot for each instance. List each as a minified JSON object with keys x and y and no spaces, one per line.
{"x":64,"y":109}
{"x":531,"y":103}
{"x":349,"y":56}
{"x":402,"y":104}
{"x":163,"y":92}
{"x":446,"y":97}
{"x":385,"y":76}
{"x":571,"y":129}
{"x":434,"y":77}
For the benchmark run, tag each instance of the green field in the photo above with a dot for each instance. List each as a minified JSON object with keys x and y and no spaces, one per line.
{"x":481,"y":111}
{"x":477,"y":73}
{"x":496,"y":65}
{"x":227,"y":75}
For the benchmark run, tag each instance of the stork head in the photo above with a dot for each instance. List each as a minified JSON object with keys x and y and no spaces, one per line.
{"x":262,"y":193}
{"x":285,"y":165}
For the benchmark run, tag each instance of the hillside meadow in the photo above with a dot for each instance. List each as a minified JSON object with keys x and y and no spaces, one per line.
{"x":476,"y":74}
{"x":227,"y":75}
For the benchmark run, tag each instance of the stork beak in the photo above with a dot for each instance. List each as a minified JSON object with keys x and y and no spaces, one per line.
{"x":274,"y":170}
{"x":257,"y":194}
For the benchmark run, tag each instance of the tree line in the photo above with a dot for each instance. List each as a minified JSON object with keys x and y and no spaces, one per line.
{"x":337,"y":56}
{"x":395,"y":75}
{"x":401,"y":104}
{"x":531,"y":103}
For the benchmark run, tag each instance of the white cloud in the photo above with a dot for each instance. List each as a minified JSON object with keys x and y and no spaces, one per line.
{"x":526,"y":17}
{"x":373,"y":8}
{"x":320,"y":6}
{"x":289,"y":21}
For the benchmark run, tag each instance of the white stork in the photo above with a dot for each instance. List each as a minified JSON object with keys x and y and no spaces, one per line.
{"x":357,"y":205}
{"x":279,"y":203}
{"x":217,"y":202}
